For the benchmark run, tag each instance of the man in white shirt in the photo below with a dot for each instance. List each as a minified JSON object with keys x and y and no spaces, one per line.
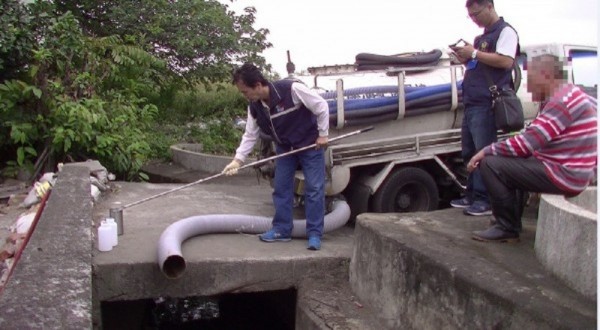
{"x":294,"y":116}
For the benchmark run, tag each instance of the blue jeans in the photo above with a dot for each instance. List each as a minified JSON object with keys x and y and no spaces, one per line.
{"x":313,"y":167}
{"x":478,"y":131}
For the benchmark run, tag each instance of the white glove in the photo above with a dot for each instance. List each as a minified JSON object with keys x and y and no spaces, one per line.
{"x":232,"y":168}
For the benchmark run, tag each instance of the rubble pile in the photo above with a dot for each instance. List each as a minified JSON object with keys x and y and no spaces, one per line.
{"x":21,"y":206}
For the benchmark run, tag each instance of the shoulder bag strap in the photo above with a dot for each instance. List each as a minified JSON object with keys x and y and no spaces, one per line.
{"x":493,"y":87}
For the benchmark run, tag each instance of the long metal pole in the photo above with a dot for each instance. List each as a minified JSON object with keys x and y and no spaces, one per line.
{"x":258,"y":162}
{"x":449,"y":172}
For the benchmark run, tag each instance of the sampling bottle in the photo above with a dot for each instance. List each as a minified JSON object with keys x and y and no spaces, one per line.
{"x":114,"y":232}
{"x":105,"y":241}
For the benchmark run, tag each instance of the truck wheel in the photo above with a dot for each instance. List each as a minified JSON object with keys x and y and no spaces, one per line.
{"x":407,"y":189}
{"x":357,"y":195}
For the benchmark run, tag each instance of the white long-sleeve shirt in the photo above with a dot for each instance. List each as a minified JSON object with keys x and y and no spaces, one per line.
{"x":300,"y":94}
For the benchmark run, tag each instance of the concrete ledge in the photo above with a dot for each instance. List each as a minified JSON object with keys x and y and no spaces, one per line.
{"x":51,"y":286}
{"x":190,"y":156}
{"x":212,"y":277}
{"x":423,"y":271}
{"x":566,"y":239}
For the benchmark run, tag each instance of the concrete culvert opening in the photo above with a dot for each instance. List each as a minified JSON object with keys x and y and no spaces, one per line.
{"x":257,"y":310}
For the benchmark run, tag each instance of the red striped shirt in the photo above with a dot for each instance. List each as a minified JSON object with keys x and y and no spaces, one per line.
{"x":563,"y":137}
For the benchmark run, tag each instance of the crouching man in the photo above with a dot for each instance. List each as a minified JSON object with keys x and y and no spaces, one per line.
{"x":556,"y":154}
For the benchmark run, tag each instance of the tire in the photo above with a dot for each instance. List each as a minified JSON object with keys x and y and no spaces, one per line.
{"x":357,"y":195}
{"x":407,"y":189}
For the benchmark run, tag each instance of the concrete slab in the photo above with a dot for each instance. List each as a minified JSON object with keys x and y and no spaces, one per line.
{"x":217,"y":263}
{"x":423,"y":271}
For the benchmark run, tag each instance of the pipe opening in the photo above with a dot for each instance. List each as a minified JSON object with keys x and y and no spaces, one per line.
{"x":174,"y":266}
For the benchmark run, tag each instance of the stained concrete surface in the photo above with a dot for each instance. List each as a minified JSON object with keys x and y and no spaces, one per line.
{"x":50,"y":287}
{"x":422,"y":271}
{"x":567,"y":239}
{"x":217,"y":263}
{"x":223,"y":263}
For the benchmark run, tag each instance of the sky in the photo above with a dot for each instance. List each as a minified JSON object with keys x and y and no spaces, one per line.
{"x":328,"y":32}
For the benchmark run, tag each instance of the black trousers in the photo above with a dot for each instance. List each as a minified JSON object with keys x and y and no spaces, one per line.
{"x":506,"y":179}
{"x":503,"y":176}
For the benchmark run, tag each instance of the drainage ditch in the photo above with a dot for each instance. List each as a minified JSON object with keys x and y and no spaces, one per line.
{"x":258,"y":310}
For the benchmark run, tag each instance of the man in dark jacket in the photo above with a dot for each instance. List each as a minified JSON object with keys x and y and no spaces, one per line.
{"x":294,"y":116}
{"x":493,"y":52}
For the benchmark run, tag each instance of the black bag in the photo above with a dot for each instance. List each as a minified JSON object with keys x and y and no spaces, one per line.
{"x":508,"y":110}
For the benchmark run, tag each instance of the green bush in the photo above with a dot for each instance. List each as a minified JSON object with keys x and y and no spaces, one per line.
{"x":203,"y":115}
{"x":74,"y":88}
{"x":206,"y":102}
{"x":81,"y":99}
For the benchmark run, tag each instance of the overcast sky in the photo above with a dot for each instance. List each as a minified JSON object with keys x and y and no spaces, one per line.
{"x":326,"y":32}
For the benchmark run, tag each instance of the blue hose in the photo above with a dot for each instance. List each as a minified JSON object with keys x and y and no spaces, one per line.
{"x":364,"y":109}
{"x":411,"y":95}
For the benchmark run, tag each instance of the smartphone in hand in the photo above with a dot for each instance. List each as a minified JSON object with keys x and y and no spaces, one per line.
{"x":459,"y":43}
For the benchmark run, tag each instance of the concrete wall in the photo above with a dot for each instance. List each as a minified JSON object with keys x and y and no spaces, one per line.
{"x":566,"y":239}
{"x":191,"y":157}
{"x":51,"y":286}
{"x":422,"y":271}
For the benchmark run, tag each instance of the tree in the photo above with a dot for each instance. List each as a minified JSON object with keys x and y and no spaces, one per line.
{"x":81,"y":98}
{"x":92,"y":72}
{"x":198,"y":39}
{"x":16,"y":40}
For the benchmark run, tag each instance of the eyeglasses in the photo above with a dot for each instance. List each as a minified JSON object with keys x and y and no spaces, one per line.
{"x":475,"y":14}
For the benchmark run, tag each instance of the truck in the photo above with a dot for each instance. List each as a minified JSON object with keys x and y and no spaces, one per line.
{"x":411,"y":160}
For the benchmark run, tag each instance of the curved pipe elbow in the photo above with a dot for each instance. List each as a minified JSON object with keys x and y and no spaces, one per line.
{"x":170,"y":257}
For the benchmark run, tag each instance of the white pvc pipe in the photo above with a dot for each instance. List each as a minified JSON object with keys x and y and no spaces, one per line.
{"x":170,"y":258}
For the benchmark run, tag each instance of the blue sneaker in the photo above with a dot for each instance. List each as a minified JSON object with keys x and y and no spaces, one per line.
{"x":461,"y":202}
{"x":314,"y":243}
{"x":478,"y":208}
{"x":273,"y":236}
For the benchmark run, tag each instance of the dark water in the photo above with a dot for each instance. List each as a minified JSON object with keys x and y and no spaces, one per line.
{"x":263,"y":310}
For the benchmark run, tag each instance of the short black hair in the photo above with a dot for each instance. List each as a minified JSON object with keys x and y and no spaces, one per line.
{"x":479,"y":2}
{"x":250,"y":75}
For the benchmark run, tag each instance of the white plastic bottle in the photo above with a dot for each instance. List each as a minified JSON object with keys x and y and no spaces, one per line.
{"x":114,"y":233}
{"x":104,"y":237}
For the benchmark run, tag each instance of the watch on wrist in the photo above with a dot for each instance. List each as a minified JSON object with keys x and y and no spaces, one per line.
{"x":474,"y":54}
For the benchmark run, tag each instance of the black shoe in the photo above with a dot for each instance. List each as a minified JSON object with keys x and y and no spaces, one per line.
{"x":495,"y":234}
{"x":493,"y":222}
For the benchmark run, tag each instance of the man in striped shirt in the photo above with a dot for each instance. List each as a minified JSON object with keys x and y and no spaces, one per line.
{"x":556,"y":154}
